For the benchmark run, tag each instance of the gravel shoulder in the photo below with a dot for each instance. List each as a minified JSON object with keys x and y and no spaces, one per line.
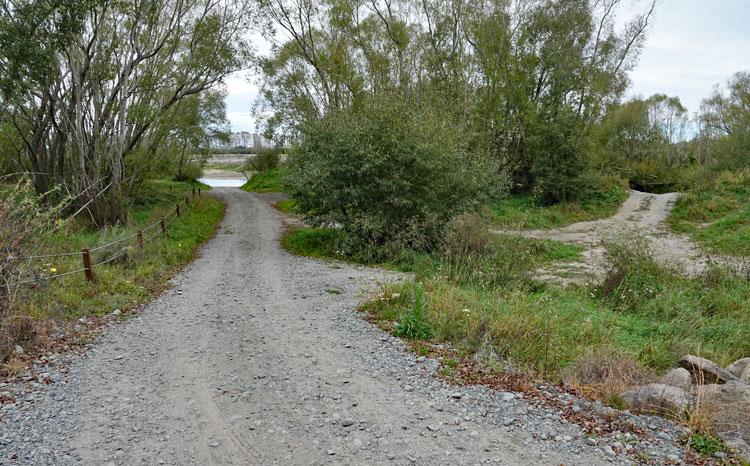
{"x":258,"y":357}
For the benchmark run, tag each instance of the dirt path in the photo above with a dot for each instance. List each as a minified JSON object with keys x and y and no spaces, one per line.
{"x":257,"y":357}
{"x":643,"y":214}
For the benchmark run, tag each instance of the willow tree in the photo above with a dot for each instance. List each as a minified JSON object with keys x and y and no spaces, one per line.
{"x":108,"y":85}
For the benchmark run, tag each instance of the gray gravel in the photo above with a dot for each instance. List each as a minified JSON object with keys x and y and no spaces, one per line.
{"x":250,"y":360}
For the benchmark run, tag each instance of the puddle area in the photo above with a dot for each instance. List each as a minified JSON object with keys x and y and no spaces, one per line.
{"x":223,"y":182}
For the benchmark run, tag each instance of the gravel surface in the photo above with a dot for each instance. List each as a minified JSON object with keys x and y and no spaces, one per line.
{"x":258,"y":357}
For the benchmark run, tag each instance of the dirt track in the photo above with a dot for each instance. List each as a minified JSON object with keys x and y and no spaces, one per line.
{"x":258,"y":357}
{"x":642,"y":214}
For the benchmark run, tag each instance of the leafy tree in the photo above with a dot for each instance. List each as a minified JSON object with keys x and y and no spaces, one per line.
{"x":725,"y":123}
{"x":93,"y":112}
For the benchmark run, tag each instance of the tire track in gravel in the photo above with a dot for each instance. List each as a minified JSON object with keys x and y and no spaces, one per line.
{"x":250,"y":360}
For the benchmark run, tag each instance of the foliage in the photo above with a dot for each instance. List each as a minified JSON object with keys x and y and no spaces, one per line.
{"x":526,"y":212}
{"x":521,"y":84}
{"x":388,"y":175}
{"x":121,"y":284}
{"x":641,"y":140}
{"x":413,"y":324}
{"x":716,"y":212}
{"x":725,"y":125}
{"x":93,"y":107}
{"x":272,"y":180}
{"x":470,"y":254}
{"x":706,"y":444}
{"x":311,"y":242}
{"x":262,"y":162}
{"x":26,"y":219}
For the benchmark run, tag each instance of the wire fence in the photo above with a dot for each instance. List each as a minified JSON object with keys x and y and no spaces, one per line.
{"x":160,"y":227}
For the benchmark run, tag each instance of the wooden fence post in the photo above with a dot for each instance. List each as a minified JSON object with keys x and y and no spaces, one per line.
{"x":199,"y":192}
{"x":88,"y":269}
{"x":140,"y":238}
{"x":163,"y":227}
{"x":187,"y":201}
{"x":193,"y":191}
{"x":178,"y":210}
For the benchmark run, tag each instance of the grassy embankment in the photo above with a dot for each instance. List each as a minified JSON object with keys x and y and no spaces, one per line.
{"x":268,"y":181}
{"x":522,"y":211}
{"x":717,"y":214}
{"x":128,"y":282}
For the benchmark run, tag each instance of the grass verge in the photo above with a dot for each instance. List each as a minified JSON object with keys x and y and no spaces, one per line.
{"x":522,"y":211}
{"x":268,"y":181}
{"x":718,"y":215}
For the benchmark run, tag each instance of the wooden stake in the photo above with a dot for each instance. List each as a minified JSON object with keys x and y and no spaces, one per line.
{"x":140,"y":238}
{"x":88,"y":269}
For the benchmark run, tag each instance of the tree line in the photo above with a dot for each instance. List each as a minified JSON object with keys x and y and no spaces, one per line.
{"x":97,"y":95}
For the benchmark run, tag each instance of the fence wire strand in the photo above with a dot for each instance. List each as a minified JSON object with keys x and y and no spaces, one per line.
{"x":166,"y":219}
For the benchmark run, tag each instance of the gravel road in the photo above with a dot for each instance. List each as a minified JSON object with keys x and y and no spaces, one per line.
{"x":258,"y":357}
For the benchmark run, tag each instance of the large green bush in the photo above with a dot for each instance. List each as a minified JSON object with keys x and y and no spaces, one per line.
{"x":389,"y":175}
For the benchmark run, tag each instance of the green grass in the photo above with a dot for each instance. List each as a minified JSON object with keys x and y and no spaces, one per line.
{"x":522,"y":211}
{"x":268,"y":181}
{"x":717,"y":216}
{"x":124,"y":284}
{"x":322,"y":243}
{"x":311,"y":242}
{"x":706,"y":444}
{"x":288,"y":206}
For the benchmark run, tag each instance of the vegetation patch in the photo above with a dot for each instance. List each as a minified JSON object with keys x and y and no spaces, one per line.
{"x":126,"y":282}
{"x":717,"y":214}
{"x":271,"y":180}
{"x":288,"y":206}
{"x":523,"y":211}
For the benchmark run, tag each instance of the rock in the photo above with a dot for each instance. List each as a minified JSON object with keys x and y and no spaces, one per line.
{"x":608,"y":450}
{"x":745,"y":377}
{"x":656,"y":398}
{"x":704,"y":371}
{"x":729,"y":406}
{"x":679,"y":378}
{"x":116,"y":312}
{"x":347,"y":422}
{"x":18,"y":349}
{"x":739,"y":366}
{"x":740,"y":446}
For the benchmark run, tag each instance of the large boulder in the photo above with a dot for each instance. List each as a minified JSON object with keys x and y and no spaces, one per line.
{"x":704,"y":371}
{"x":679,"y":378}
{"x":728,"y":405}
{"x":657,"y":398}
{"x":739,"y":366}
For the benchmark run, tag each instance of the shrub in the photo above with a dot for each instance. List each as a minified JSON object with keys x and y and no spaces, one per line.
{"x":389,"y":175}
{"x":262,"y":161}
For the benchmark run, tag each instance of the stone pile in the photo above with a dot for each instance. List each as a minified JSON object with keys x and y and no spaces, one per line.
{"x":721,"y":394}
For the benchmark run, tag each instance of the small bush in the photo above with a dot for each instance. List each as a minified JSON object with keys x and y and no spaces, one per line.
{"x":413,"y":324}
{"x":263,"y":161}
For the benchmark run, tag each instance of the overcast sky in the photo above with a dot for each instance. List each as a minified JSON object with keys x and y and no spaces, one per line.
{"x":692,"y":45}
